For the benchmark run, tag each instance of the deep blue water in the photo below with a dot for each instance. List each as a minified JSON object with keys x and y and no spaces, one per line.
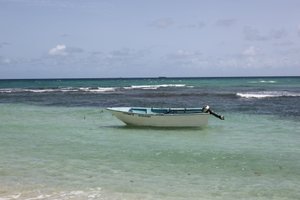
{"x":258,"y":95}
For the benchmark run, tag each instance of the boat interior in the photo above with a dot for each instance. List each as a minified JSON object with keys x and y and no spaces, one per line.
{"x":165,"y":110}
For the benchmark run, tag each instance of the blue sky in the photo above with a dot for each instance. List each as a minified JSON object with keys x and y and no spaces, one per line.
{"x":136,"y":38}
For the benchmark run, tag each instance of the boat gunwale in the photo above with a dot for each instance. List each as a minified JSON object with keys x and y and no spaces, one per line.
{"x":155,"y":114}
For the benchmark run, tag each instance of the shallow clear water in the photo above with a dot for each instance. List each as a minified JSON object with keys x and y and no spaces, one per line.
{"x":52,"y":151}
{"x":85,"y":153}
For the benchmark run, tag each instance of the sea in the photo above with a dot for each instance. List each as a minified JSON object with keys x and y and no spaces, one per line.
{"x":57,"y":140}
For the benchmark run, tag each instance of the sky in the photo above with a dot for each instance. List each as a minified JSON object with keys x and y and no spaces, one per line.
{"x":140,"y":38}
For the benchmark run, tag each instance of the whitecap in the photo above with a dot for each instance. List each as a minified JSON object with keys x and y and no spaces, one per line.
{"x":98,"y":89}
{"x":263,"y":81}
{"x":154,"y":87}
{"x":105,"y":89}
{"x":267,"y":94}
{"x":68,"y":89}
{"x":6,"y":90}
{"x":39,"y":90}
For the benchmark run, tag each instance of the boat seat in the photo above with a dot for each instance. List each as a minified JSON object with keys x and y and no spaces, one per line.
{"x":138,"y":110}
{"x":161,"y":110}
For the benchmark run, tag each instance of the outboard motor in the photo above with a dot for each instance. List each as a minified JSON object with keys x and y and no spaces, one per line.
{"x":206,"y":109}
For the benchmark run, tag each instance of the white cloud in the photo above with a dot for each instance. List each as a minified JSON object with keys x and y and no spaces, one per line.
{"x":250,"y":51}
{"x":59,"y":50}
{"x":184,"y":54}
{"x":63,"y":50}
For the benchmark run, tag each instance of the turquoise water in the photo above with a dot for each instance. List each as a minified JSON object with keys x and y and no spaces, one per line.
{"x":85,"y":153}
{"x":58,"y":142}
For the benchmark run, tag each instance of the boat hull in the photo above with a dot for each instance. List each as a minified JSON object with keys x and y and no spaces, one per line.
{"x":161,"y":120}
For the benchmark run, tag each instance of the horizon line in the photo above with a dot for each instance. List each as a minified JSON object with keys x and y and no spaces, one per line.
{"x":150,"y":77}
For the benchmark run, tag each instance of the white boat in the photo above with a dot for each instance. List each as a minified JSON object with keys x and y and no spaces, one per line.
{"x":163,"y":117}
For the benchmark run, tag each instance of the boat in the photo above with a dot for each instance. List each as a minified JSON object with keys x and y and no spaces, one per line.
{"x":164,"y":117}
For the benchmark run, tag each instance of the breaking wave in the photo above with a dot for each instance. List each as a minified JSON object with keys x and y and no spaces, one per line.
{"x":90,"y":89}
{"x":69,"y":89}
{"x":155,"y":87}
{"x":268,"y":94}
{"x":98,"y":89}
{"x":264,"y":81}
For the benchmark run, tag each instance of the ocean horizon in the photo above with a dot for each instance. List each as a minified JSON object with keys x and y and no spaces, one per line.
{"x":150,"y":77}
{"x":57,"y":140}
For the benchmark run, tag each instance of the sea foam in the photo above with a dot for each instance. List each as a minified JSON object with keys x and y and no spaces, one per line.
{"x":52,"y":90}
{"x":153,"y":87}
{"x":267,"y":94}
{"x":264,"y":81}
{"x":98,"y":89}
{"x":92,"y":193}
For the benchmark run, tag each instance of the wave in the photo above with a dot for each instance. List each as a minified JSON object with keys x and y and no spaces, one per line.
{"x":155,"y":87}
{"x":55,"y":90}
{"x":267,"y":94}
{"x":97,"y":90}
{"x":90,"y":89}
{"x":264,"y":81}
